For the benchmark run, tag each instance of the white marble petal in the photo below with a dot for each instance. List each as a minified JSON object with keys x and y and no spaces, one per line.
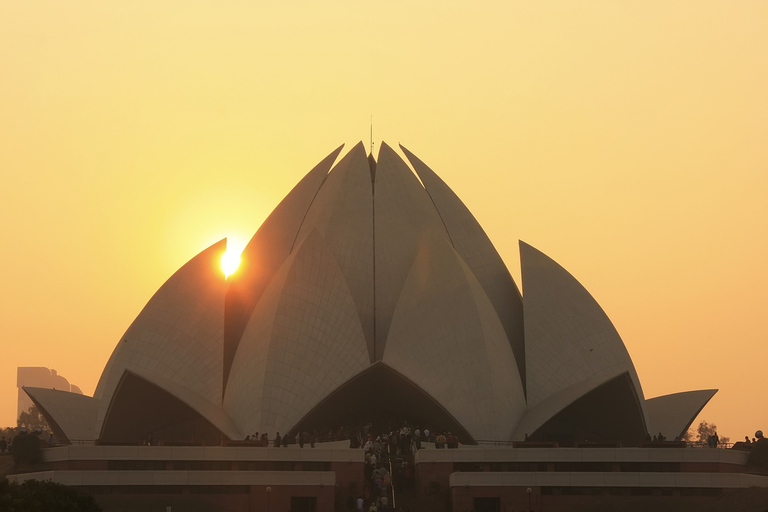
{"x":673,"y":414}
{"x":342,"y":213}
{"x":303,"y":342}
{"x":178,"y":335}
{"x":405,"y":221}
{"x":569,"y":338}
{"x":476,"y":249}
{"x":446,"y":338}
{"x":73,"y":413}
{"x":266,"y":252}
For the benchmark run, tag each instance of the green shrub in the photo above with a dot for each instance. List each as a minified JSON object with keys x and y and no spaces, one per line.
{"x":37,"y":496}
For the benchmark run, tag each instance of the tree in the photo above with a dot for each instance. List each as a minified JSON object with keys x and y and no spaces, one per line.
{"x":26,"y":448}
{"x":9,"y":432}
{"x":702,"y":434}
{"x":33,"y":495}
{"x":32,"y":418}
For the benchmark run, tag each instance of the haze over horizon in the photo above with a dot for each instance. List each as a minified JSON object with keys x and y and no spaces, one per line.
{"x":625,"y":141}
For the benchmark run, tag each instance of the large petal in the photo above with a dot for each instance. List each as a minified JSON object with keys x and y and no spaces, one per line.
{"x":476,"y":249}
{"x":303,"y":342}
{"x":178,"y":336}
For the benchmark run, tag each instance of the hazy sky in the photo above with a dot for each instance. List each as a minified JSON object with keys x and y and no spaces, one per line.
{"x":627,"y":140}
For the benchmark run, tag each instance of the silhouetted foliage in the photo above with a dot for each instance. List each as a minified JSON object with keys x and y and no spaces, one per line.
{"x":9,"y":432}
{"x":32,"y":418}
{"x":702,"y":434}
{"x":26,"y":448}
{"x":36,"y":496}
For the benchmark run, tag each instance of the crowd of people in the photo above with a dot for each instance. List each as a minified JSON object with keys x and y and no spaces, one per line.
{"x":405,"y":440}
{"x":389,"y":460}
{"x":301,"y":439}
{"x":388,"y":455}
{"x":377,"y":475}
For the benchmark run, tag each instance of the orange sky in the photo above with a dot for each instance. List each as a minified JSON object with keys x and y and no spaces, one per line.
{"x":627,"y":140}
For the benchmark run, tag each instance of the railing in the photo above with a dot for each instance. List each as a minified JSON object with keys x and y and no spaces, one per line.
{"x":391,"y":476}
{"x":701,"y":445}
{"x":495,"y":443}
{"x":511,"y":444}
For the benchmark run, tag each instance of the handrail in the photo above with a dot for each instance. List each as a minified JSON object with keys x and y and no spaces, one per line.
{"x":391,"y":476}
{"x":689,"y":444}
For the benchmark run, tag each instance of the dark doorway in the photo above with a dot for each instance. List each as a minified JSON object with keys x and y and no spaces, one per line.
{"x":609,"y":413}
{"x":487,"y":504}
{"x":303,"y":504}
{"x":380,"y":395}
{"x":140,"y":408}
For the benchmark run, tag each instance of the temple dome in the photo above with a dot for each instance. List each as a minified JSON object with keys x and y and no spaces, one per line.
{"x":371,"y":292}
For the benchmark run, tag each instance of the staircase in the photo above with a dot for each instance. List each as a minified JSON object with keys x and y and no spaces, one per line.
{"x":405,"y":491}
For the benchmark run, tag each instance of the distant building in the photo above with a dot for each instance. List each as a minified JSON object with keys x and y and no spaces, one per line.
{"x":39,"y":377}
{"x":373,"y":295}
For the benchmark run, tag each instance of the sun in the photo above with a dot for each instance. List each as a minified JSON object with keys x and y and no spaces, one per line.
{"x":230,"y":260}
{"x":229,"y":263}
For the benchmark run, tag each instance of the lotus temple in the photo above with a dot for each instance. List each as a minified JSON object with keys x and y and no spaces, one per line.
{"x":371,"y":298}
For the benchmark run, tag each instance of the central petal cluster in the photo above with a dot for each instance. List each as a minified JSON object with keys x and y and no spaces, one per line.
{"x":364,"y":266}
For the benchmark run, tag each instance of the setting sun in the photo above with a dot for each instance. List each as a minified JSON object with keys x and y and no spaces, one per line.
{"x":230,"y":260}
